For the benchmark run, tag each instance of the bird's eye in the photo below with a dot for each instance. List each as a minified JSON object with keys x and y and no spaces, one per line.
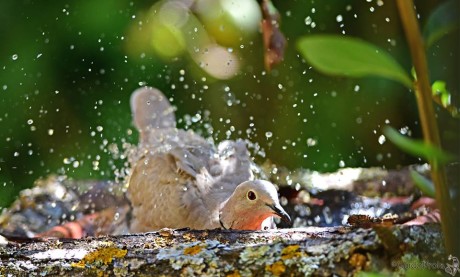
{"x":251,"y":195}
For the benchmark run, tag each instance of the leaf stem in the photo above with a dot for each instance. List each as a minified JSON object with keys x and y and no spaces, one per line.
{"x":428,"y":120}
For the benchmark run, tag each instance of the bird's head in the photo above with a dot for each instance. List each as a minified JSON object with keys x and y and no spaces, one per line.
{"x":250,"y":205}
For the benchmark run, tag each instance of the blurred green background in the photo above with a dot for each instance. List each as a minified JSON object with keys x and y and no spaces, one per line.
{"x":67,"y":70}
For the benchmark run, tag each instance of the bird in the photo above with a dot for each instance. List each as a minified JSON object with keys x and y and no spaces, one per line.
{"x":178,"y":179}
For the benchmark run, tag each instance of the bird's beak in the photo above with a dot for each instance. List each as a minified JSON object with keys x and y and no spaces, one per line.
{"x":279,"y":211}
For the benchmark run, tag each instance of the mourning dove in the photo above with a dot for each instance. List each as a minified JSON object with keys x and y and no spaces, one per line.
{"x":178,"y":179}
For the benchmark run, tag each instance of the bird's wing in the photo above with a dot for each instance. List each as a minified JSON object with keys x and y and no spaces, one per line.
{"x":169,"y":187}
{"x":235,"y":161}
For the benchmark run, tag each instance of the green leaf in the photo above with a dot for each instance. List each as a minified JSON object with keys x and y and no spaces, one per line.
{"x":417,"y":147}
{"x":424,"y":184}
{"x":443,"y":97}
{"x":439,"y":89}
{"x":442,"y":21}
{"x":351,"y":57}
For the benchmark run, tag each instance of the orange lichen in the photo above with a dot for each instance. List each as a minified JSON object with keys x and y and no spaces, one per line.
{"x":234,"y":274}
{"x":358,"y":260}
{"x":290,"y":252}
{"x":276,"y":269}
{"x":193,"y":250}
{"x":189,"y":237}
{"x":103,"y":255}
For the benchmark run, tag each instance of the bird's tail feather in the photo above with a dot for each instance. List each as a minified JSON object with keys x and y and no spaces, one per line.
{"x":151,"y":110}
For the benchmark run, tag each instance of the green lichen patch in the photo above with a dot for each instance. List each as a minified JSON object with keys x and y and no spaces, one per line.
{"x":276,"y":260}
{"x":193,"y":259}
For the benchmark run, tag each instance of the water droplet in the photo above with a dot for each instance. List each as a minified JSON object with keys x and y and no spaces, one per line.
{"x":405,"y":131}
{"x":268,"y":134}
{"x":196,"y":118}
{"x":327,"y":215}
{"x":382,"y":139}
{"x":14,"y":57}
{"x":311,"y":142}
{"x":67,"y":160}
{"x":339,"y":18}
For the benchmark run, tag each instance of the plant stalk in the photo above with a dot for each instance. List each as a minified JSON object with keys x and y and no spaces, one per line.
{"x":428,"y":121}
